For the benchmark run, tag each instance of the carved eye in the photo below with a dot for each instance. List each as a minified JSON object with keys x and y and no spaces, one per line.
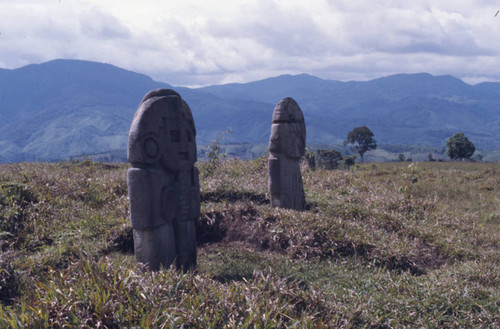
{"x":175,"y":136}
{"x":151,"y":147}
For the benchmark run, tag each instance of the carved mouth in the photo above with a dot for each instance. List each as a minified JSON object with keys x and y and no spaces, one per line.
{"x":184,"y":155}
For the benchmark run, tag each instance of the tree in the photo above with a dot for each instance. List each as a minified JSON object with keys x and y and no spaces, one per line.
{"x":362,"y":140}
{"x":459,"y":147}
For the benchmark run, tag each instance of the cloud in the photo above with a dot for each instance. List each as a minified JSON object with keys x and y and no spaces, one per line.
{"x":99,"y":25}
{"x":287,"y":31}
{"x":37,"y":31}
{"x":215,"y":41}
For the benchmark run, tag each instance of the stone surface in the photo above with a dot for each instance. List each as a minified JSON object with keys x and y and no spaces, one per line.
{"x":163,"y":185}
{"x":286,"y":147}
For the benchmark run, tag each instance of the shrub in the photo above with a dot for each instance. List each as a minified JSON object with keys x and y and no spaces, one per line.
{"x":327,"y":159}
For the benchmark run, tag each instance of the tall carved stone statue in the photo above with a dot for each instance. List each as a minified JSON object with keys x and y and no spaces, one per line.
{"x":163,"y":184}
{"x":286,"y":146}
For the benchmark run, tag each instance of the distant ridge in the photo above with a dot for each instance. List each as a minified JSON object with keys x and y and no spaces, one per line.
{"x":67,"y":108}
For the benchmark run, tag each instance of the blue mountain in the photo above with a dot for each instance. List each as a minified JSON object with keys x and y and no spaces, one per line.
{"x":68,"y":108}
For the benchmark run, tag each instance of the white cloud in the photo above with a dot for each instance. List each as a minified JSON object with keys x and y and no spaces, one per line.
{"x":97,"y":24}
{"x":215,"y":41}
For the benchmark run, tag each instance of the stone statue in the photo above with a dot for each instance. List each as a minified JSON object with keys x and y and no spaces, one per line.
{"x":163,"y":184}
{"x":286,"y":147}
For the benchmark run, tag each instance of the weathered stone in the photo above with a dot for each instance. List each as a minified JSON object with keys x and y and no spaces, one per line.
{"x":163,"y":183}
{"x":286,"y":147}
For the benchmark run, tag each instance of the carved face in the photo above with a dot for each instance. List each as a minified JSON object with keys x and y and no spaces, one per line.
{"x":178,"y":143}
{"x":288,"y":139}
{"x":163,"y":134}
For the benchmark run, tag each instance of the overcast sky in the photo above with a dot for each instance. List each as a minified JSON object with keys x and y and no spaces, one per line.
{"x":202,"y":42}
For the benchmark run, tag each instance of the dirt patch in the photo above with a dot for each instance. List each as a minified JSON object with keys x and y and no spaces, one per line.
{"x":122,"y":241}
{"x":243,"y":224}
{"x":238,"y":223}
{"x":399,"y":264}
{"x":429,"y":257}
{"x":425,"y":259}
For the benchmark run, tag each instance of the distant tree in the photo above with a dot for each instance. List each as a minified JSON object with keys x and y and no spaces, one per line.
{"x":362,"y":140}
{"x":215,"y":153}
{"x":401,"y":157}
{"x":459,"y":147}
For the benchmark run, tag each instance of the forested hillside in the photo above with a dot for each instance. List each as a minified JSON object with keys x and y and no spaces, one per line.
{"x":68,"y":108}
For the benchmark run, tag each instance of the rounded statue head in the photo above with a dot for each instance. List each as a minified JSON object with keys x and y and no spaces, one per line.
{"x":162,"y":132}
{"x":288,"y":111}
{"x":288,"y":130}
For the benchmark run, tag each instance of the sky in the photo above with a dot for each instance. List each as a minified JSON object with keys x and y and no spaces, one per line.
{"x":207,"y":42}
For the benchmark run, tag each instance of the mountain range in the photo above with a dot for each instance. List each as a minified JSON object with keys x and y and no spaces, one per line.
{"x":69,"y":108}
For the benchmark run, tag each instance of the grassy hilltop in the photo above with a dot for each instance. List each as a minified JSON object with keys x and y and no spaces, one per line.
{"x":389,"y":245}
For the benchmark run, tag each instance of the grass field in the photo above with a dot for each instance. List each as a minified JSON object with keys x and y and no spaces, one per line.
{"x":383,"y":245}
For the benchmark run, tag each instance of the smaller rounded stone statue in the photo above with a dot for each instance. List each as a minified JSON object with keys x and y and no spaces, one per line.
{"x":286,"y":146}
{"x":163,"y":183}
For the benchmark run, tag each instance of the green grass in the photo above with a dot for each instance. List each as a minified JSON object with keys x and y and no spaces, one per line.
{"x":385,"y":245}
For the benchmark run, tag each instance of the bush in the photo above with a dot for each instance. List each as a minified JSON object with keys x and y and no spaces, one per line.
{"x":310,"y":159}
{"x":349,"y":161}
{"x":327,"y":159}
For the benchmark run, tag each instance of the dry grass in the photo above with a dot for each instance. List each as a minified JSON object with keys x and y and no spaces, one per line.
{"x":389,"y":245}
